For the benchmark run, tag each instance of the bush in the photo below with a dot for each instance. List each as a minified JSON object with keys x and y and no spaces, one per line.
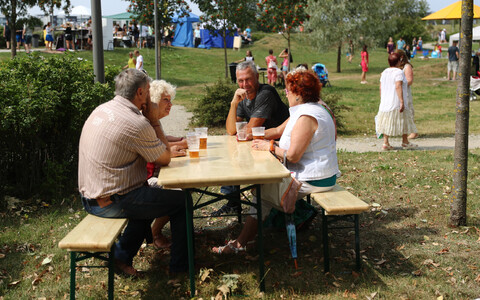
{"x":212,"y":109}
{"x":45,"y":102}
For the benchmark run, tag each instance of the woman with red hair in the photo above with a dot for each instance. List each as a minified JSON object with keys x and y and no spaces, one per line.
{"x":307,"y":148}
{"x":394,"y":116}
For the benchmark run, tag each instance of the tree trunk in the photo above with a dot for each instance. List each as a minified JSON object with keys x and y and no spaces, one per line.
{"x":224,"y":33}
{"x":458,"y":207}
{"x":339,"y":58}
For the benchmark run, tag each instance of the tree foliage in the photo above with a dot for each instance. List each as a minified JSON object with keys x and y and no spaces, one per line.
{"x":143,"y":11}
{"x":45,"y":102}
{"x":222,"y":17}
{"x":334,"y":22}
{"x":12,"y":9}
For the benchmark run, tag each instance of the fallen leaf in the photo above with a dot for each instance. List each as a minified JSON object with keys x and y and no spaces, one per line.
{"x":204,"y":274}
{"x":2,"y":255}
{"x":427,"y":262}
{"x":372,"y":296}
{"x":417,"y":273}
{"x":297,"y":274}
{"x":443,"y":251}
{"x":355,"y":274}
{"x":478,"y":278}
{"x":224,"y":289}
{"x":381,"y":262}
{"x":336,"y":284}
{"x":46,"y":260}
{"x":14,"y":283}
{"x":440,"y":298}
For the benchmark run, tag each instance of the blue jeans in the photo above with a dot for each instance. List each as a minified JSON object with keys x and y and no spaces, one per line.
{"x":140,"y":207}
{"x":230,"y":189}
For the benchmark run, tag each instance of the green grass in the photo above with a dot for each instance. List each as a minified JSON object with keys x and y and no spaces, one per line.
{"x":434,"y":98}
{"x":408,"y":251}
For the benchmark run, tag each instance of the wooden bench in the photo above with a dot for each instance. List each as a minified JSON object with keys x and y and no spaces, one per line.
{"x":93,"y":237}
{"x":339,"y":204}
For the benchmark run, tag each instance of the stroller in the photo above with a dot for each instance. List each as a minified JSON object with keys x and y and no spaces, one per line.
{"x":474,"y":87}
{"x":322,"y":74}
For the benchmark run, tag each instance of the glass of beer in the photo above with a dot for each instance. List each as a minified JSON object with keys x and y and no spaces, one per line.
{"x":241,"y":131}
{"x":202,"y":134}
{"x":193,"y":142}
{"x":258,"y":133}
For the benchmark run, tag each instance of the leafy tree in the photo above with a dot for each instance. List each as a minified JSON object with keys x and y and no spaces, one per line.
{"x":143,"y":12}
{"x":406,"y":20}
{"x":49,"y":5}
{"x":282,"y":16}
{"x":12,"y":9}
{"x":334,"y":22}
{"x":221,"y":17}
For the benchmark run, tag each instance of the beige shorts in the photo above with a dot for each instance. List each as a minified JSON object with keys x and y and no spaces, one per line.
{"x":453,"y":66}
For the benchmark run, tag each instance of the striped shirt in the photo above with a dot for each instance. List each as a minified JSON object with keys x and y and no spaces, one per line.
{"x":116,"y":143}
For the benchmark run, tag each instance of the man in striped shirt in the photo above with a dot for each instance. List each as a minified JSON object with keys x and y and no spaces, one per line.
{"x":117,"y":141}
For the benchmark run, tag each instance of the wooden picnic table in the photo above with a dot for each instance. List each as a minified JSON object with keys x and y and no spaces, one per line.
{"x":225,"y":162}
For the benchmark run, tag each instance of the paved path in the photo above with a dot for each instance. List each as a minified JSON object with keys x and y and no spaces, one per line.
{"x":177,"y":122}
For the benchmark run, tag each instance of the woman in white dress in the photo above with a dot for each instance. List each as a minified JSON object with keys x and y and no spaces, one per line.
{"x":394,"y":116}
{"x":407,"y":68}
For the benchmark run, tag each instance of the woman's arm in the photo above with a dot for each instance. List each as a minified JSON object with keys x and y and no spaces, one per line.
{"x":399,"y":91}
{"x":276,"y":133}
{"x":408,"y":70}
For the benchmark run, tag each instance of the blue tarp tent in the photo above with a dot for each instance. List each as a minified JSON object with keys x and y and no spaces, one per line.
{"x":184,"y":30}
{"x":210,"y":40}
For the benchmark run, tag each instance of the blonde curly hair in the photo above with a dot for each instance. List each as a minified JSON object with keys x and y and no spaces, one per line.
{"x":159,"y":87}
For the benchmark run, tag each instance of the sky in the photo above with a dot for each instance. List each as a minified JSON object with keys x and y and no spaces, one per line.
{"x":110,"y":7}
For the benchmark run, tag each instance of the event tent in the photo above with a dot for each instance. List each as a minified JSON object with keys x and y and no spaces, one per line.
{"x":184,"y":30}
{"x":125,"y":16}
{"x":452,"y":12}
{"x":210,"y":40}
{"x":475,"y":35}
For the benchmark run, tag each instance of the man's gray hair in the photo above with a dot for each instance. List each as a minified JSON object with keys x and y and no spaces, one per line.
{"x":247,"y":64}
{"x":129,"y":81}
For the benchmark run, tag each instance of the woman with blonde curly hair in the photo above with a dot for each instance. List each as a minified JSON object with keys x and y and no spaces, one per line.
{"x":162,"y":93}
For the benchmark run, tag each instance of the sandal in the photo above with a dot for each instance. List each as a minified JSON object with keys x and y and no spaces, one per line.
{"x":386,"y":147}
{"x":231,"y":248}
{"x":409,"y":146}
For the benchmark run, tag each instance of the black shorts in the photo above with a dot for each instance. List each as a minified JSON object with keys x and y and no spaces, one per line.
{"x":68,"y":37}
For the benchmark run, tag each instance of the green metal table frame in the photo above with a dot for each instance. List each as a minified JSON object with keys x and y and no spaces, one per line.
{"x":76,"y":256}
{"x":190,"y":207}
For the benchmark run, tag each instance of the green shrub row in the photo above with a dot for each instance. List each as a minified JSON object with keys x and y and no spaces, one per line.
{"x":45,"y":101}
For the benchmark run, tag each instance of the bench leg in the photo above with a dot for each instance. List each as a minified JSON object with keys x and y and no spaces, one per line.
{"x":190,"y":239}
{"x":237,"y":195}
{"x":73,"y":269}
{"x":326,"y":254}
{"x":111,"y":278}
{"x":309,"y":200}
{"x":357,"y":242}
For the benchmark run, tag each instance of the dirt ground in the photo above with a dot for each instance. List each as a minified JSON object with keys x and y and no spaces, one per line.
{"x":176,"y":124}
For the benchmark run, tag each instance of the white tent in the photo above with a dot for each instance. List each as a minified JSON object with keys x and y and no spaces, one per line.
{"x":475,"y":36}
{"x":80,"y":11}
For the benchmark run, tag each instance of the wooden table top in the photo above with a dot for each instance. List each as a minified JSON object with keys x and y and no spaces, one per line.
{"x":225,"y":162}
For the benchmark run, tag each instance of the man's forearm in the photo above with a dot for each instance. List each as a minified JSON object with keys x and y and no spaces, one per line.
{"x":160,"y":134}
{"x":232,"y":119}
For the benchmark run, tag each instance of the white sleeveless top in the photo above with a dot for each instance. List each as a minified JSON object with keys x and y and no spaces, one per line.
{"x":319,"y":161}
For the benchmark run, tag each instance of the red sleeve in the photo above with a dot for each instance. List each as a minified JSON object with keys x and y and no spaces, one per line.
{"x":150,"y":170}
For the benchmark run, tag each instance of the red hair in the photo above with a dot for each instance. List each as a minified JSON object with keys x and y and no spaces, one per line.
{"x":305,"y":84}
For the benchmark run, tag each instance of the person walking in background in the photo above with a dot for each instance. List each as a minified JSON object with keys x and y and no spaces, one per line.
{"x":401,"y":44}
{"x":271,"y":68}
{"x":407,"y":69}
{"x":443,"y":36}
{"x":196,"y":34}
{"x":27,"y":35}
{"x":285,"y":55}
{"x":390,"y":45}
{"x":414,"y":43}
{"x":139,"y":60}
{"x":420,"y":44}
{"x":453,"y":55}
{"x":49,"y":36}
{"x":7,"y":34}
{"x":364,"y":64}
{"x":351,"y":51}
{"x":394,"y":117}
{"x":132,"y":62}
{"x":68,"y":36}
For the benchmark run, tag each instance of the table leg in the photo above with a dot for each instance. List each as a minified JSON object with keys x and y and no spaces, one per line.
{"x":260,"y":238}
{"x":73,"y":270}
{"x":191,"y":263}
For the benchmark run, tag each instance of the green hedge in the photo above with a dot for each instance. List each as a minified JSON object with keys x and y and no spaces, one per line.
{"x":45,"y":101}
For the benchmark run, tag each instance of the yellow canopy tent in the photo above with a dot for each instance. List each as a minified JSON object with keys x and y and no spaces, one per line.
{"x":452,"y":12}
